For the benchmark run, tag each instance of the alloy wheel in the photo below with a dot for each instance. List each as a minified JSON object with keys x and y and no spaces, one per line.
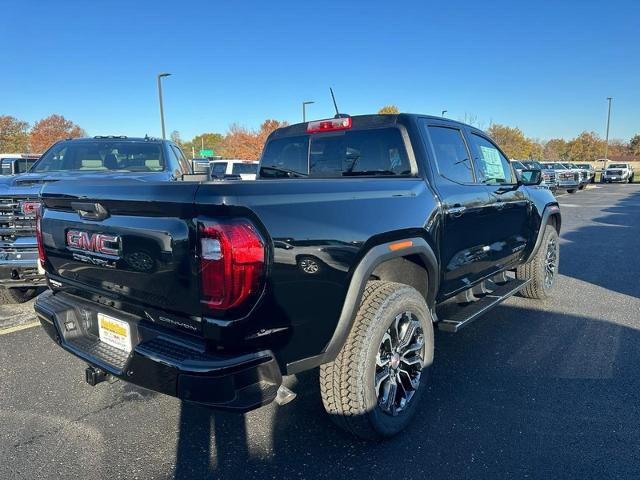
{"x":399,"y":364}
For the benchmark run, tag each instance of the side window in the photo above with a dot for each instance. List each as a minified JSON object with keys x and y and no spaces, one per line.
{"x":492,"y":165}
{"x":452,"y":155}
{"x":184,"y":164}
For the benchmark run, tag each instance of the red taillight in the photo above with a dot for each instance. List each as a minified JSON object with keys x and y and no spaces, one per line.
{"x":231,"y":264}
{"x":343,"y":123}
{"x":41,"y":254}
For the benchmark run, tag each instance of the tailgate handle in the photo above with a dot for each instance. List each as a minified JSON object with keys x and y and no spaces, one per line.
{"x":90,"y":211}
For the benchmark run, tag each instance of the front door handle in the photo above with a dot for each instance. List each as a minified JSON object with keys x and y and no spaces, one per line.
{"x":456,"y":211}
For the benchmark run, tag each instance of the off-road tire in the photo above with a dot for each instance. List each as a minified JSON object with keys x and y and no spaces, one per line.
{"x":16,"y":295}
{"x":631,"y":179}
{"x":571,"y":190}
{"x":347,"y":384}
{"x":535,"y":268}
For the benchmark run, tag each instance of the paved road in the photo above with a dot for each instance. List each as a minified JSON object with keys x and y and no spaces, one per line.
{"x":534,"y":390}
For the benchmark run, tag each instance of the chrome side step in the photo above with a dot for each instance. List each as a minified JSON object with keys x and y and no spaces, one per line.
{"x":465,"y":315}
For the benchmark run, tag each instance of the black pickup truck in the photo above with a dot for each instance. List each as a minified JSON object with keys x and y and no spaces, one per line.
{"x":103,"y":157}
{"x":359,"y":236}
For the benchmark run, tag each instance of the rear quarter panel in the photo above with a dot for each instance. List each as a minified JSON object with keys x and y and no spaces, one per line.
{"x":328,"y":223}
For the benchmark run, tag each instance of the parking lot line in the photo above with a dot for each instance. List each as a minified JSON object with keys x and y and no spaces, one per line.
{"x":17,"y":328}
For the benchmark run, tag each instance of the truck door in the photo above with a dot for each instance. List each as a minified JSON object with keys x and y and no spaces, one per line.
{"x":510,"y":206}
{"x":466,"y":235}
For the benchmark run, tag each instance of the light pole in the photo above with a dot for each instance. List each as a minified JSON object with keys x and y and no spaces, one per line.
{"x":443,"y":112}
{"x":606,"y":141}
{"x":160,"y":76}
{"x":304,"y":110}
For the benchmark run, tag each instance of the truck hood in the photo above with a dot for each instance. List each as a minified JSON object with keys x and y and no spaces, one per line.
{"x":31,"y":183}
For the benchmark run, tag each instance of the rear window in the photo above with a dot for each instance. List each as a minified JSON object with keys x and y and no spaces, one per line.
{"x":219,"y":168}
{"x":375,"y":152}
{"x":103,"y":156}
{"x":244,"y":168}
{"x":618,"y":165}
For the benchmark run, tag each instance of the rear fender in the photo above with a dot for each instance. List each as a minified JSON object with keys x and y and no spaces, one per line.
{"x":374,"y":257}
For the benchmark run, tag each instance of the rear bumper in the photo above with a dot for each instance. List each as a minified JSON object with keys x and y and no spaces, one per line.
{"x":160,"y":360}
{"x":19,"y":268}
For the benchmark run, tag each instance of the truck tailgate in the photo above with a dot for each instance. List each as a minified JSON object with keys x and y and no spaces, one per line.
{"x":124,"y":242}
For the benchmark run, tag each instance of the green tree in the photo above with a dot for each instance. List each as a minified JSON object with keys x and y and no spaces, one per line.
{"x":204,"y":141}
{"x":586,"y":147}
{"x":511,"y":140}
{"x":389,"y":110}
{"x":14,"y":135}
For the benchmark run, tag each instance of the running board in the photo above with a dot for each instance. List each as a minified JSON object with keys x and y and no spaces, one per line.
{"x":465,"y":315}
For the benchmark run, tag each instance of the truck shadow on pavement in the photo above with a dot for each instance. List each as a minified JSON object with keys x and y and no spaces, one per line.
{"x":601,"y":253}
{"x":519,"y":393}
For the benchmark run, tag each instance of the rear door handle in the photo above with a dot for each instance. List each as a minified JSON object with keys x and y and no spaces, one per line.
{"x":456,"y":211}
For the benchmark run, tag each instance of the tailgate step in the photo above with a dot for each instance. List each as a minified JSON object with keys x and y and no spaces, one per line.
{"x":465,"y":315}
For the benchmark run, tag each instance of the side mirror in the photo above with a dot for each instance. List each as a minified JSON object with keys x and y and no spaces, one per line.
{"x":530,"y":177}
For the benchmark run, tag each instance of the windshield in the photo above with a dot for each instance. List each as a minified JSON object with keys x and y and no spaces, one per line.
{"x":618,"y":165}
{"x":245,"y":168}
{"x":102,"y":156}
{"x":517,"y":165}
{"x":584,"y":165}
{"x":532,"y":164}
{"x":371,"y":152}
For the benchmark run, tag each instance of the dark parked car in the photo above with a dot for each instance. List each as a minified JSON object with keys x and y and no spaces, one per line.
{"x":16,"y":164}
{"x":359,"y":236}
{"x":99,"y":158}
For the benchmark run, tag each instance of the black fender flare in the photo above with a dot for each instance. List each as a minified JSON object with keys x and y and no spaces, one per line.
{"x":374,"y":257}
{"x":549,"y":210}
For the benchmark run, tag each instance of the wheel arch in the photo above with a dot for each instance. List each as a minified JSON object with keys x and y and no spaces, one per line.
{"x":411,"y":264}
{"x":550,"y":216}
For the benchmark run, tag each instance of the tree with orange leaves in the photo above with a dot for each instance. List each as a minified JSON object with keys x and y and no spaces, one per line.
{"x":246,"y":144}
{"x":51,"y":129}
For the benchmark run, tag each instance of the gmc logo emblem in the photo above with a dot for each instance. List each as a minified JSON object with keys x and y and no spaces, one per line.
{"x":29,"y":208}
{"x":96,"y":242}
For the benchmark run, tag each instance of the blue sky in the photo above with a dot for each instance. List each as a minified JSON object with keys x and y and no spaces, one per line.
{"x":544,"y":66}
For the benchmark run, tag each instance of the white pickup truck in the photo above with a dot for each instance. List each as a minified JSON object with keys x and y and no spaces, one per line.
{"x":618,"y":172}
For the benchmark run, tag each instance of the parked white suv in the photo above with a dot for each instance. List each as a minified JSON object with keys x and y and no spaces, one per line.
{"x":245,"y":169}
{"x":617,"y":172}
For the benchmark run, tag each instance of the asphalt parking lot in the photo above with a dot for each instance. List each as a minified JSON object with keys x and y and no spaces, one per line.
{"x":533,"y":390}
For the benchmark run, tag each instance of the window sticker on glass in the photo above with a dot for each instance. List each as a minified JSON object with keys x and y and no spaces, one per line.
{"x":492,"y":163}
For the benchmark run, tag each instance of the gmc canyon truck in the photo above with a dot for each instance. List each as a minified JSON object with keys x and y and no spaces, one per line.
{"x":360,"y":236}
{"x":99,"y":157}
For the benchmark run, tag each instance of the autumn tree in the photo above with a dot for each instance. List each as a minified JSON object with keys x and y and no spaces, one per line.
{"x":511,"y":140}
{"x":555,"y":149}
{"x":634,"y":145}
{"x":204,"y":141}
{"x":586,"y":147}
{"x":246,"y":144}
{"x":51,"y":129}
{"x":14,"y":135}
{"x":389,"y":110}
{"x":175,"y":137}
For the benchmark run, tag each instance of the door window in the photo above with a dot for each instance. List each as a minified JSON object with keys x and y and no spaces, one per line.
{"x":493,"y":166}
{"x":452,"y":156}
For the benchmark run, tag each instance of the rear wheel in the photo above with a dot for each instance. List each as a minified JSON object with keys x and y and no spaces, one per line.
{"x":17,"y":295}
{"x":542,"y":269}
{"x":571,"y":190}
{"x":373,"y":387}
